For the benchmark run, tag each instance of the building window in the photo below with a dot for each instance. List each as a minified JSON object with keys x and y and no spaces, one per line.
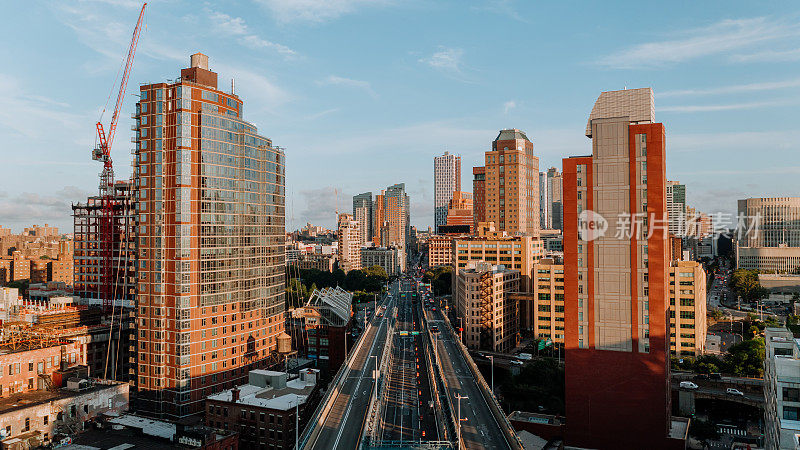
{"x":791,"y":394}
{"x":791,"y":412}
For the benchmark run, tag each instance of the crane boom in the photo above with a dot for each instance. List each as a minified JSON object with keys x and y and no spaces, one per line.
{"x":103,"y":153}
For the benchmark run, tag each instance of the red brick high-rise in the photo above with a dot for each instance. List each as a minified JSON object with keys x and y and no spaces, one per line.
{"x":478,"y":196}
{"x":617,"y":346}
{"x":210,"y":301}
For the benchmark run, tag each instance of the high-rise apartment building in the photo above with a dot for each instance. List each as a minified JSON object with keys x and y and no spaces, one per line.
{"x":482,"y":299}
{"x":478,"y":196}
{"x":498,"y":247}
{"x":781,"y":390}
{"x":378,"y":211}
{"x":397,"y":219}
{"x":554,"y":199}
{"x":459,"y":210}
{"x":615,"y":284}
{"x":676,"y":207}
{"x":88,"y":276}
{"x":545,"y":218}
{"x":446,"y":180}
{"x":362,"y":213}
{"x":769,"y":237}
{"x":687,"y":308}
{"x":512,"y":184}
{"x":349,"y":249}
{"x":211,"y":233}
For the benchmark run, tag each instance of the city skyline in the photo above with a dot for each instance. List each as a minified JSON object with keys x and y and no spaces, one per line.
{"x":713,"y":90}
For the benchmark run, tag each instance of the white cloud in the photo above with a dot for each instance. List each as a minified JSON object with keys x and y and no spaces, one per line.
{"x":255,"y":87}
{"x":446,"y":59}
{"x":322,"y":113}
{"x":722,"y":37}
{"x":341,"y":81}
{"x":26,"y":208}
{"x":768,"y":56}
{"x":734,"y":89}
{"x":236,"y":27}
{"x":508,"y":106}
{"x":315,"y":10}
{"x":23,"y":113}
{"x":728,"y":107}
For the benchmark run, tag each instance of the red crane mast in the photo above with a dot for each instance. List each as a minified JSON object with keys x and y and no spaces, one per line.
{"x":103,"y":153}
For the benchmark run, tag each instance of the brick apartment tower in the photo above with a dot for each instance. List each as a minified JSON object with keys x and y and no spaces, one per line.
{"x":478,"y":196}
{"x":211,"y":244}
{"x":617,"y":372}
{"x":512,"y":184}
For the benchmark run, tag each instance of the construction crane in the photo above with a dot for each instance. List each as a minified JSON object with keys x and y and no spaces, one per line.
{"x":102,"y":152}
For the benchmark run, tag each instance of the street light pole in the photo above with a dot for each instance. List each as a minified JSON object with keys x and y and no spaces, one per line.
{"x":375,"y":378}
{"x":297,"y":423}
{"x":458,"y":428}
{"x":491,"y":357}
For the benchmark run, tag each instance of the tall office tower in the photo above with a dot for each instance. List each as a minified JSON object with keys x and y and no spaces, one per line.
{"x":446,"y":180}
{"x":362,"y":212}
{"x":676,"y":207}
{"x":349,"y":249}
{"x":769,"y":239}
{"x":211,"y":243}
{"x":512,"y":184}
{"x":554,"y":199}
{"x":545,"y":220}
{"x":615,"y":284}
{"x":87,"y":279}
{"x":378,"y":208}
{"x":478,"y":196}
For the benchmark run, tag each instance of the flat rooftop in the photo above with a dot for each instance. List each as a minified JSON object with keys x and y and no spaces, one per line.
{"x":296,"y":392}
{"x":24,"y":400}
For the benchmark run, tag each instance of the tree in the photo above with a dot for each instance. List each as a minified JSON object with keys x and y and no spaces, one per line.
{"x":746,"y":359}
{"x":745,"y":284}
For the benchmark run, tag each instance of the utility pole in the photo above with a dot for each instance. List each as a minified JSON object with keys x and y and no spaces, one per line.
{"x":458,"y":428}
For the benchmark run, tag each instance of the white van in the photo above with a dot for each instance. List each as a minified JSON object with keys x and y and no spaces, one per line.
{"x":688,"y":385}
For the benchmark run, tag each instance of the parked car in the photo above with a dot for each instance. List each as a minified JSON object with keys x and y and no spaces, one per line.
{"x":688,"y":385}
{"x":701,"y":376}
{"x":715,"y":376}
{"x":734,"y":391}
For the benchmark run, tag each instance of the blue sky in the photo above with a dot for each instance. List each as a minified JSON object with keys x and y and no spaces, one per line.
{"x":363,"y":93}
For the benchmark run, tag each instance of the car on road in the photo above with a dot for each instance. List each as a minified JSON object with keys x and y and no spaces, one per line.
{"x":517,"y":362}
{"x":715,"y":376}
{"x":734,"y":391}
{"x":701,"y":376}
{"x":688,"y":385}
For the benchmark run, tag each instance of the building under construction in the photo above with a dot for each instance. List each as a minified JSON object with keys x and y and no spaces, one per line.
{"x":88,"y":217}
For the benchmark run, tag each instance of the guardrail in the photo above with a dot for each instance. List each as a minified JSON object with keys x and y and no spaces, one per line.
{"x":446,"y":426}
{"x":511,"y":437}
{"x":323,"y":409}
{"x":376,"y":402}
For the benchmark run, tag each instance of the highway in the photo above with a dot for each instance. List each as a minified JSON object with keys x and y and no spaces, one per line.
{"x":480,"y":430}
{"x":340,"y":424}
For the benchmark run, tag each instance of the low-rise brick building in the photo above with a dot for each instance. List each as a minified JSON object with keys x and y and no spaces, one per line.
{"x":265,"y":412}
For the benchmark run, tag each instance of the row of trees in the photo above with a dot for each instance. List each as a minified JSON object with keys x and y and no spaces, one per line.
{"x":363,"y":283}
{"x":745,"y":359}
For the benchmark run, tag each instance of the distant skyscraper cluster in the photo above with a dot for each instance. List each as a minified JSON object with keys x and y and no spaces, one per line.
{"x":384,"y":220}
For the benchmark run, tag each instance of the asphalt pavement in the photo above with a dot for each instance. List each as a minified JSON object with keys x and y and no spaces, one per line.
{"x":480,"y":429}
{"x":342,"y":421}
